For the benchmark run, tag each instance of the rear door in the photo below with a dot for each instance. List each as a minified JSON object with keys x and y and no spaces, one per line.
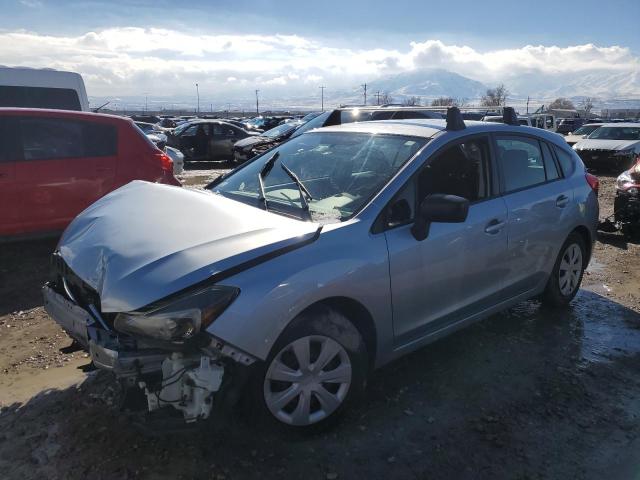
{"x":221,"y":142}
{"x":67,"y":164}
{"x":11,"y":212}
{"x":539,"y":202}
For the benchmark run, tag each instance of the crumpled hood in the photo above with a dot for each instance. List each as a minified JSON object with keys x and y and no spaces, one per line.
{"x":595,"y":144}
{"x":248,"y":142}
{"x":145,"y":241}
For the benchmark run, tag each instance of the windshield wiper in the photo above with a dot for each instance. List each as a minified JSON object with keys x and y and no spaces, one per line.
{"x":264,"y":171}
{"x":301,"y":188}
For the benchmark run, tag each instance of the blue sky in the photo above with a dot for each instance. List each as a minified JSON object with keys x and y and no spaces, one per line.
{"x":233,"y":46}
{"x":486,"y":24}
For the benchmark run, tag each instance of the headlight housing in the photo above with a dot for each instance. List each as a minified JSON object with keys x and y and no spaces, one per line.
{"x":623,"y":181}
{"x":182,"y":318}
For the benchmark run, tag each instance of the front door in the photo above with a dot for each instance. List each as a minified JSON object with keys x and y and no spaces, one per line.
{"x":457,"y":270}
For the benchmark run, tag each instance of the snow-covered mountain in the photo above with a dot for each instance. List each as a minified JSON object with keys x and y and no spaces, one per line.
{"x":621,"y":89}
{"x":428,"y":83}
{"x":604,"y":85}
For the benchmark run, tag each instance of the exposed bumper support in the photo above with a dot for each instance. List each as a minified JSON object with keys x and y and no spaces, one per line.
{"x":185,"y":381}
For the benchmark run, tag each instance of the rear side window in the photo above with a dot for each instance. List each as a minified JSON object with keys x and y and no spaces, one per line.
{"x":9,"y":141}
{"x":39,"y":97}
{"x":566,"y":161}
{"x":549,"y":164}
{"x":521,"y":162}
{"x":50,"y":138}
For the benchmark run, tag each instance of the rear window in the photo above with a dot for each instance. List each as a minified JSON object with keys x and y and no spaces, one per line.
{"x":39,"y":97}
{"x":50,"y":138}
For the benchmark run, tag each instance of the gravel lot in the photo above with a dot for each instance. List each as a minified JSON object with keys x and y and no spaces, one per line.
{"x":526,"y":394}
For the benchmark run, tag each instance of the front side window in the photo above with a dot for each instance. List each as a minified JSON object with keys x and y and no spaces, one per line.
{"x":341,"y":171}
{"x":50,"y":138}
{"x":462,"y":170}
{"x":521,"y":162}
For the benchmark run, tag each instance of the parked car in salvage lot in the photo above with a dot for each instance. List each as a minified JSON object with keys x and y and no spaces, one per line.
{"x":583,"y":132}
{"x":290,"y":279}
{"x":611,"y":147}
{"x":55,"y":163}
{"x":202,"y":140}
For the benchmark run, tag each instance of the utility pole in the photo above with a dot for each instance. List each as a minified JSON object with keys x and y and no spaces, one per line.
{"x":198,"y":95}
{"x":364,"y":85}
{"x":527,"y":104}
{"x":378,"y":97}
{"x":257,"y":105}
{"x":322,"y":96}
{"x":145,"y":101}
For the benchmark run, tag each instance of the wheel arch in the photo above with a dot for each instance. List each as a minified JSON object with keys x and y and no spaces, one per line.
{"x":586,"y":236}
{"x":359,"y":316}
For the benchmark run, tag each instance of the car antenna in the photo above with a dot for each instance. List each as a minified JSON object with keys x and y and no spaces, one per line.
{"x":454,"y":119}
{"x":509,"y":116}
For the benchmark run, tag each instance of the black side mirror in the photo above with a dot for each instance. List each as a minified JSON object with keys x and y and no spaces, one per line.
{"x":440,"y":208}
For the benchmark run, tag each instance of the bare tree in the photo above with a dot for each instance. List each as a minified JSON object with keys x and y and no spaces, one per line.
{"x":411,"y":101}
{"x":495,"y":97}
{"x":561,"y":103}
{"x":587,"y":105}
{"x":385,"y":98}
{"x":449,"y":102}
{"x":443,"y":102}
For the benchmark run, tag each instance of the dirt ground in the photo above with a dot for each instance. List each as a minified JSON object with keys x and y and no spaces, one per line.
{"x":526,"y":394}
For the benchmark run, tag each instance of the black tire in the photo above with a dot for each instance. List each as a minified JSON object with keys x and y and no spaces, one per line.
{"x":553,"y":295}
{"x":317,"y":321}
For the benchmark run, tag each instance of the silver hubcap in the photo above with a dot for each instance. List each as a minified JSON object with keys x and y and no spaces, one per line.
{"x":570,"y":269}
{"x":307,"y":380}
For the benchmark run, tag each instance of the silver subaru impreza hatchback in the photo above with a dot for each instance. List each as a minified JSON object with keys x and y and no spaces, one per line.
{"x":289,"y":280}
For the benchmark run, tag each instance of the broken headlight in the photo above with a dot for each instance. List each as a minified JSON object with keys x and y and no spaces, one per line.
{"x":180,"y":319}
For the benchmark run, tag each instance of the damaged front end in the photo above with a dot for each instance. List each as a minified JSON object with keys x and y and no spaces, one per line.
{"x":161,"y":351}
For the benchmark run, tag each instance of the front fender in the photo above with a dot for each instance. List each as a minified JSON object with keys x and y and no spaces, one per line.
{"x":346,"y":261}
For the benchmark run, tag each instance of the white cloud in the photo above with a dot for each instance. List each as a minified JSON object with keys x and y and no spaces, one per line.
{"x":128,"y":61}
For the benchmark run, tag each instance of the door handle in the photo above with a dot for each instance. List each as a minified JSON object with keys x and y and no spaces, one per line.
{"x":562,"y":201}
{"x":494,"y":226}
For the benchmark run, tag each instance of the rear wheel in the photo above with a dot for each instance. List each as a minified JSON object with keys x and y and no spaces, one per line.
{"x":315,"y":370}
{"x":565,"y":279}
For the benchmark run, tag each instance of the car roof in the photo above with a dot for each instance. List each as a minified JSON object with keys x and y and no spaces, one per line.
{"x":48,"y":112}
{"x":429,"y":127}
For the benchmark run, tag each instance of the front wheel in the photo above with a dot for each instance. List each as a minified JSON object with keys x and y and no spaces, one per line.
{"x":565,"y":279}
{"x":317,"y":367}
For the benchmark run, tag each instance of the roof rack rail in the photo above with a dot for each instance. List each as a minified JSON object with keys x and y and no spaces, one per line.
{"x":454,"y":119}
{"x":509,"y":116}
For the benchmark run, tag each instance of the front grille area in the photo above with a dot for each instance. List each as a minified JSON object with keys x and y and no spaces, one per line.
{"x":602,"y":158}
